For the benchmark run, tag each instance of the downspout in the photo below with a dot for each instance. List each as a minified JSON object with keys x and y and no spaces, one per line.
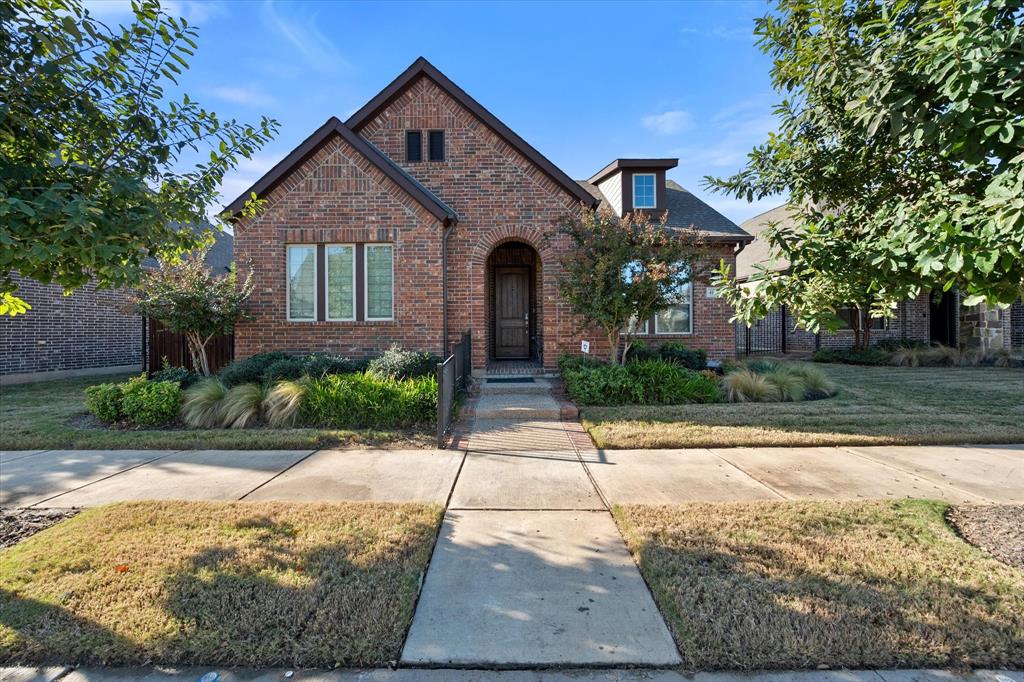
{"x":444,"y":287}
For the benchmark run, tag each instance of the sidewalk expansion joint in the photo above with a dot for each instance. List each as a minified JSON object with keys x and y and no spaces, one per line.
{"x":100,"y":480}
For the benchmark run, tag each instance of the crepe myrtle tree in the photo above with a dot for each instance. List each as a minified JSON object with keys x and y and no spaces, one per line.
{"x":620,"y":270}
{"x":900,"y":145}
{"x":188,"y":299}
{"x":98,"y":161}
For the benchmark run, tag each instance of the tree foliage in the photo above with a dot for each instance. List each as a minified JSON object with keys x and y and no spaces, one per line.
{"x":619,"y":270}
{"x":188,"y":299}
{"x":901,"y":147}
{"x":95,"y":156}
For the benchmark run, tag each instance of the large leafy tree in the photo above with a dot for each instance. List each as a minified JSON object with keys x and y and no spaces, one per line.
{"x":901,"y":148}
{"x":97,"y":160}
{"x":619,"y":270}
{"x":188,"y":299}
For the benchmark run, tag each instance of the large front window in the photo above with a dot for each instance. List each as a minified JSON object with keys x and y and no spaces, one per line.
{"x":379,"y":282}
{"x":302,"y":282}
{"x":643,"y":190}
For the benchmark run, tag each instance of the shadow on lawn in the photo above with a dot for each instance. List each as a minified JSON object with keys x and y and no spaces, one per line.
{"x":754,"y":607}
{"x":258,"y":604}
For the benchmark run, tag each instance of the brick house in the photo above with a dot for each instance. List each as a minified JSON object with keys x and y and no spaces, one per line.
{"x":422,"y":216}
{"x":88,"y":332}
{"x":938,"y":318}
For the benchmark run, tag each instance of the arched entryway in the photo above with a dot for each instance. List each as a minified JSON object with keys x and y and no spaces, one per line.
{"x":514,"y":315}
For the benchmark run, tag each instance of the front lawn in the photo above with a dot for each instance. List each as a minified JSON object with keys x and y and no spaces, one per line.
{"x":802,"y":584}
{"x":52,"y":415}
{"x":874,"y":406}
{"x":231,"y":584}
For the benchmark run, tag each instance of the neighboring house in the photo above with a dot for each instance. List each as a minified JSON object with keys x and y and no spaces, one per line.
{"x":88,"y":332}
{"x":423,"y":216}
{"x":938,"y":318}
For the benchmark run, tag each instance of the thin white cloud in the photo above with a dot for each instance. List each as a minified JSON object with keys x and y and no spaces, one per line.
{"x":245,"y":174}
{"x":668,"y":122}
{"x":246,"y":96}
{"x":302,"y":32}
{"x":193,"y":11}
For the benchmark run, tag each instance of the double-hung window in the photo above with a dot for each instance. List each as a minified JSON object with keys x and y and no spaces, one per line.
{"x":380,"y":275}
{"x":340,"y":278}
{"x":302,"y":277}
{"x":643,"y":190}
{"x":677,"y":319}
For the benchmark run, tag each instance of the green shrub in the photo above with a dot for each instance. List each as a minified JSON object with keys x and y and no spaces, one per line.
{"x":104,"y":402}
{"x":640,"y":351}
{"x":150,"y":403}
{"x":692,"y":358}
{"x":320,"y":364}
{"x":909,"y":356}
{"x":568,"y":363}
{"x":366,"y":399}
{"x":746,"y":386}
{"x":178,"y":375}
{"x":760,"y":365}
{"x":242,"y":406}
{"x":647,"y":382}
{"x":850,"y":356}
{"x":201,"y":404}
{"x":283,"y":403}
{"x":291,"y":367}
{"x":249,"y":370}
{"x":396,"y":363}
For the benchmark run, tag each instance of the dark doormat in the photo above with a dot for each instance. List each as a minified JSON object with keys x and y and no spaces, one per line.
{"x":510,"y":380}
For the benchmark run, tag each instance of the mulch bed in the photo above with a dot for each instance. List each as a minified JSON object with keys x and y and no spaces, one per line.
{"x":997,"y":528}
{"x":18,"y":524}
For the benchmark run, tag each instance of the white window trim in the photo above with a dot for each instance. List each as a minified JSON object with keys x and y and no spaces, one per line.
{"x":327,"y":285}
{"x":366,"y":283}
{"x":689,"y":304}
{"x":288,"y":282}
{"x":654,"y":187}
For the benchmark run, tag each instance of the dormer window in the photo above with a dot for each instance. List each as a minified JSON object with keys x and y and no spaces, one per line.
{"x":643,"y":190}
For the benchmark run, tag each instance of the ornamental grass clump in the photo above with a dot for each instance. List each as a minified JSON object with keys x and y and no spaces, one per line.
{"x":759,"y":381}
{"x":201,"y":405}
{"x":242,"y":406}
{"x":746,"y":386}
{"x":283,"y":403}
{"x":789,"y":385}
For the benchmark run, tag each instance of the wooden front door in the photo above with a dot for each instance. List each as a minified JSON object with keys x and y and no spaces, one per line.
{"x":511,"y":312}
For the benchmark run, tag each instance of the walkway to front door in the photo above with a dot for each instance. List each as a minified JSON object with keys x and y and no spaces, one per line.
{"x":529,"y":568}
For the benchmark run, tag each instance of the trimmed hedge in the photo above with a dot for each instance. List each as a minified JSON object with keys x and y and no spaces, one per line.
{"x":395,"y":363}
{"x":644,"y":382}
{"x":137,"y":401}
{"x":364,"y":399}
{"x":851,"y":356}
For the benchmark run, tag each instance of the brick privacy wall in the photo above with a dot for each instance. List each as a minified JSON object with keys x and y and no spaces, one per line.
{"x":912,"y":323}
{"x":337,"y":196}
{"x":500,"y":197}
{"x":85,"y":330}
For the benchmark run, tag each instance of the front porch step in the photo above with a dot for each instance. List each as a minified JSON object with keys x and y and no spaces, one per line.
{"x":536,"y":387}
{"x":516,"y":406}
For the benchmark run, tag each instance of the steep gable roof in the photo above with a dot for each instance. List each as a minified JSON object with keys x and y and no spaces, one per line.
{"x":311,"y":144}
{"x":421,"y":67}
{"x":760,"y":251}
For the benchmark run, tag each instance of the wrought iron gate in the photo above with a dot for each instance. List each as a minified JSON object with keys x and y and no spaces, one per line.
{"x":767,"y":335}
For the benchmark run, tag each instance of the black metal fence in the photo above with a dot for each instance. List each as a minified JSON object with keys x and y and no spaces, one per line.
{"x":452,"y":378}
{"x":767,"y":335}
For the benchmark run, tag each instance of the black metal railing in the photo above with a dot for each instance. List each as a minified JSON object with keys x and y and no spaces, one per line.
{"x":452,"y":379}
{"x":767,"y":335}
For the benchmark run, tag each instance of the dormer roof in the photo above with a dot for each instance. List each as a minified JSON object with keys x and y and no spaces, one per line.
{"x":619,"y":165}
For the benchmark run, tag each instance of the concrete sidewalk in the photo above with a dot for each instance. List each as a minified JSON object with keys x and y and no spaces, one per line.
{"x":191,"y":674}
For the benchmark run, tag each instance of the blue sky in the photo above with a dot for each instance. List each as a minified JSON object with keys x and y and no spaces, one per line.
{"x":584,"y":83}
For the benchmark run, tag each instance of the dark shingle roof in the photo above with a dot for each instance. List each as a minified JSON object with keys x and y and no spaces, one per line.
{"x":759,"y":251}
{"x":685,"y":210}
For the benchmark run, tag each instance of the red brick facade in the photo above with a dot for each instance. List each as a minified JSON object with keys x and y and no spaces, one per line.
{"x":501,"y":196}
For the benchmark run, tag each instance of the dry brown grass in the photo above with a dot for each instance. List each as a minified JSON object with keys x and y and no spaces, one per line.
{"x":250,"y":584}
{"x":843,"y":584}
{"x":875,"y":406}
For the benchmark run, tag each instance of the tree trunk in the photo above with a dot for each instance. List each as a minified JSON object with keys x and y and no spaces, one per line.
{"x":197,"y":349}
{"x":613,"y":343}
{"x":857,"y":327}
